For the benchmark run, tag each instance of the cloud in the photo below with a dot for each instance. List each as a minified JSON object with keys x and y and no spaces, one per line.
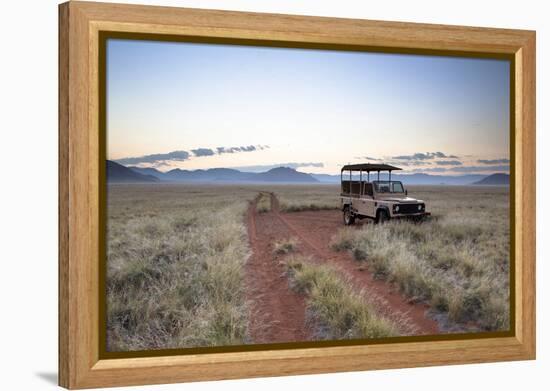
{"x":202,"y":152}
{"x":266,"y":167}
{"x":431,"y":169}
{"x":160,"y":159}
{"x":228,"y":150}
{"x":463,"y":169}
{"x":448,"y":163}
{"x":493,"y":161}
{"x":503,"y":167}
{"x":424,"y":156}
{"x":155,"y":158}
{"x":368,"y":158}
{"x":248,"y":148}
{"x":410,"y":163}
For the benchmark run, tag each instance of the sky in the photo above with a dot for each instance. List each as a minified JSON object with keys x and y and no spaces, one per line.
{"x":199,"y":106}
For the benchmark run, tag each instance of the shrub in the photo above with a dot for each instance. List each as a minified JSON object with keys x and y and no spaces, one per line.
{"x":343,"y":240}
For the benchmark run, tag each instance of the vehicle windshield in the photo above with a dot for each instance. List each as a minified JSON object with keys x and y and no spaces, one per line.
{"x":388,"y":187}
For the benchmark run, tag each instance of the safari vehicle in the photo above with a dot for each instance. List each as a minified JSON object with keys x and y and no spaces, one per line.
{"x":380,"y":200}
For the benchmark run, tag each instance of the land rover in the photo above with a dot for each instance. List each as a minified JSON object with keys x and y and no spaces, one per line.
{"x":380,"y":200}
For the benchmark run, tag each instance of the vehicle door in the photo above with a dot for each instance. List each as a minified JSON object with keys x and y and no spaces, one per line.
{"x":366,"y":204}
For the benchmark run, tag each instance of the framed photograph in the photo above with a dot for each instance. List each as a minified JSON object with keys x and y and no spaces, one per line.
{"x":247,"y":195}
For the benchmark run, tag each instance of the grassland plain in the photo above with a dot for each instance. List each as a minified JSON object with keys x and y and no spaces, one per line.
{"x":175,"y":257}
{"x":458,"y":261}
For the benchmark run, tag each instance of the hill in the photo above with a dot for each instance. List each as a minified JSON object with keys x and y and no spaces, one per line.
{"x":117,"y":173}
{"x":284,"y":174}
{"x":210,"y":175}
{"x":148,"y":171}
{"x":498,"y":179}
{"x":279,"y":175}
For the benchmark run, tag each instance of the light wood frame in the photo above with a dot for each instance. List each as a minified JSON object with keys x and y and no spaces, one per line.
{"x":80,"y":365}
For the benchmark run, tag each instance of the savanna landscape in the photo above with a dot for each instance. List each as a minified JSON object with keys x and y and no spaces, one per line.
{"x":198,"y":265}
{"x":238,"y":212}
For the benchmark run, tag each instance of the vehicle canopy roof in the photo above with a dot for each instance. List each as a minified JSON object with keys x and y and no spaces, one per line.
{"x":368,"y":167}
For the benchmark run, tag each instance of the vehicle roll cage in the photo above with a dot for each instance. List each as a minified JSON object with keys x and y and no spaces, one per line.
{"x":368,"y":168}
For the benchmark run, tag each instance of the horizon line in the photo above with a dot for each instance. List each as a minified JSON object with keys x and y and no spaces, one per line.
{"x":309,"y":173}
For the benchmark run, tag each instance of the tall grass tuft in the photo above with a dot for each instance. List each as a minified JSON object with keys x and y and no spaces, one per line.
{"x":337,"y":311}
{"x":264,"y":203}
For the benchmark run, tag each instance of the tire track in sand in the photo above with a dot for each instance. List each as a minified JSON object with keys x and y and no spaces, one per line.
{"x":277,"y":314}
{"x":316,"y":236}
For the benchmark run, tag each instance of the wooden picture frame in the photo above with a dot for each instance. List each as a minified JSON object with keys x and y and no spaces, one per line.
{"x":81,"y":171}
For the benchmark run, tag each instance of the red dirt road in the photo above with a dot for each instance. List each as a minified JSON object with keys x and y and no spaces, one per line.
{"x":278,"y":314}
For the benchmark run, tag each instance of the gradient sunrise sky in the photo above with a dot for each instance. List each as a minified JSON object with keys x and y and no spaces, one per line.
{"x":204,"y":106}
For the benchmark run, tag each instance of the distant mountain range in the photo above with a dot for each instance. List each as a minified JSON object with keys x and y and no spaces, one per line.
{"x":119,"y":173}
{"x":427,"y":179}
{"x":279,"y":175}
{"x":494,"y":180}
{"x":413,"y":179}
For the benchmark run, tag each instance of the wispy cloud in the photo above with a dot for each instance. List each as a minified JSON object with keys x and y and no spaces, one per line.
{"x":155,"y":158}
{"x":448,"y":163}
{"x":503,"y":167}
{"x":432,"y":169}
{"x":160,"y":159}
{"x":410,"y":163}
{"x":248,"y":148}
{"x":465,"y":169}
{"x":228,"y":150}
{"x":202,"y":152}
{"x":417,"y":159}
{"x":493,"y":161}
{"x":368,"y":158}
{"x":424,"y":156}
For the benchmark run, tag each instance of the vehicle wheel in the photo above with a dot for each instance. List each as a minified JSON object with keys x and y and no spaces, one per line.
{"x":382,"y":216}
{"x":349,"y":218}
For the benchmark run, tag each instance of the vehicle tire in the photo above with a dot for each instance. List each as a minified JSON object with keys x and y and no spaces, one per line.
{"x":382,"y":216}
{"x":349,"y":218}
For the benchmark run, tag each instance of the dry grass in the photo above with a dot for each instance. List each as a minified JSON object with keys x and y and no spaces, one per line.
{"x":297,"y":198}
{"x":458,"y":261}
{"x":336,"y":309}
{"x":285,"y":246}
{"x":175,"y":256}
{"x":264,"y":203}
